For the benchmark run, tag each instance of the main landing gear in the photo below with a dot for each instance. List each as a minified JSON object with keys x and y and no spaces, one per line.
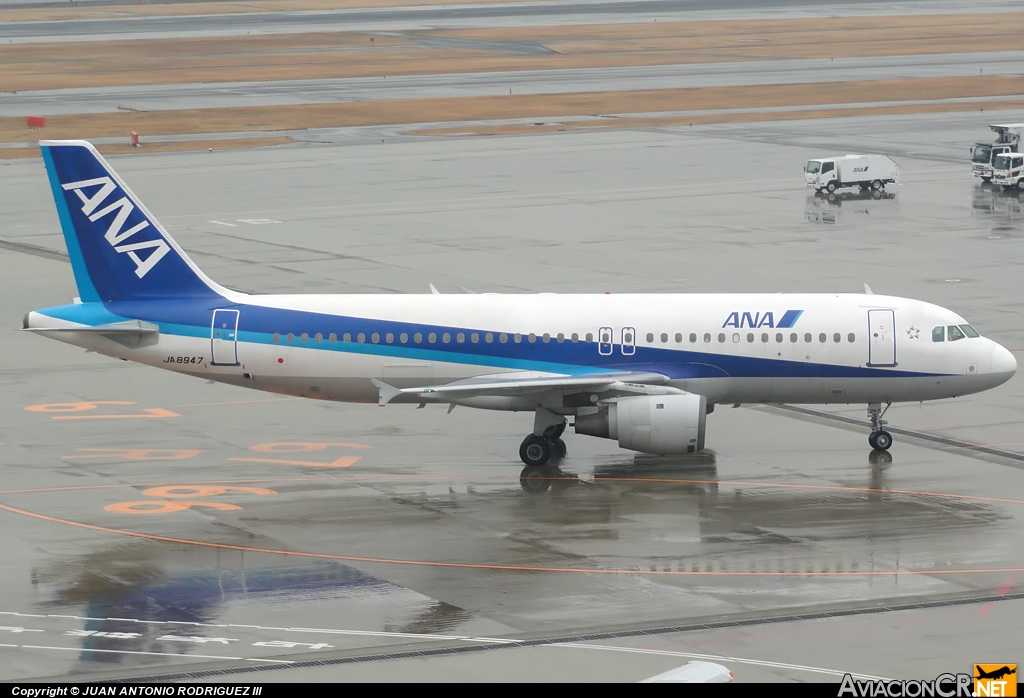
{"x":545,"y":442}
{"x":879,"y":439}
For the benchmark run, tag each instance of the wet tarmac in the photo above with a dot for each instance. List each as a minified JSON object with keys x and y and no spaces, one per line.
{"x":155,"y":525}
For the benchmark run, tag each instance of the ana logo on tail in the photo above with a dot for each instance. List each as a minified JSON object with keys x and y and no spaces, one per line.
{"x":115,"y":235}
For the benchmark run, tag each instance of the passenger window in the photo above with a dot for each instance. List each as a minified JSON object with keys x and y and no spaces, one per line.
{"x":778,"y":337}
{"x":664,"y":338}
{"x":969,"y":331}
{"x":575,"y":338}
{"x":560,"y":337}
{"x":764,"y":337}
{"x":679,"y":338}
{"x":503,"y":338}
{"x":590,"y":336}
{"x":650,"y":337}
{"x":474,"y":338}
{"x":346,"y":337}
{"x":305,"y":337}
{"x":332,"y":338}
{"x":822,"y":337}
{"x":807,"y":337}
{"x":546,"y":338}
{"x":721,"y":337}
{"x":403,"y":338}
{"x":531,"y":338}
{"x":954,"y":333}
{"x":489,"y":338}
{"x":389,"y":337}
{"x":693,"y":338}
{"x":460,"y":337}
{"x":319,"y":338}
{"x":446,"y":337}
{"x":517,"y":338}
{"x":792,"y":337}
{"x":735,"y":336}
{"x":750,"y":336}
{"x":375,"y":337}
{"x":837,"y":338}
{"x":291,"y":337}
{"x":939,"y":334}
{"x":707,"y":337}
{"x":360,"y":337}
{"x":277,"y":337}
{"x":432,"y":337}
{"x":851,"y":337}
{"x":418,"y":338}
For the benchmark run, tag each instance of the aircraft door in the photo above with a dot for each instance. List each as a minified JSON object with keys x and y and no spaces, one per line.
{"x":604,"y":341}
{"x":881,"y":338}
{"x":628,"y":341}
{"x":224,"y":338}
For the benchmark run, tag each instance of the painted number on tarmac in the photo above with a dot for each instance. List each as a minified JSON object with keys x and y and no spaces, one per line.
{"x":60,"y":410}
{"x":287,"y":447}
{"x":172,"y":504}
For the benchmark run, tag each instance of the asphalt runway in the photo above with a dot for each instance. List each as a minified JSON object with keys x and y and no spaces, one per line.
{"x":264,"y":93}
{"x":156,"y":525}
{"x":464,"y":16}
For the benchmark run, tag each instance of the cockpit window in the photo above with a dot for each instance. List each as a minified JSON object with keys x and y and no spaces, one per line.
{"x":969,"y":331}
{"x":939,"y":334}
{"x":955,"y":333}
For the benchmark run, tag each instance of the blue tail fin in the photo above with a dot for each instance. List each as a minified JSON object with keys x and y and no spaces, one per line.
{"x":118,"y":250}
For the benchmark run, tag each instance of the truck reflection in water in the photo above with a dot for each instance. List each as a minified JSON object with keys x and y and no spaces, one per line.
{"x":144,"y":596}
{"x":1002,"y":212}
{"x":823,"y":208}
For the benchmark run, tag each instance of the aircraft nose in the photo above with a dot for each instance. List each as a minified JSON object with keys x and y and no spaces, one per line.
{"x":1004,"y":365}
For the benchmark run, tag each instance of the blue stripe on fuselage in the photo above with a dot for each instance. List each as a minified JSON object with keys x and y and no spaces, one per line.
{"x":789,"y":319}
{"x":258,"y":324}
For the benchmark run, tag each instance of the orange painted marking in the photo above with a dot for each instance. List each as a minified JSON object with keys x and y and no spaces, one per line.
{"x":75,"y":488}
{"x":150,"y":507}
{"x":201,"y":490}
{"x":150,"y":413}
{"x":138,"y":453}
{"x":74,"y":406}
{"x":343,"y":462}
{"x":301,"y":446}
{"x":495,"y":567}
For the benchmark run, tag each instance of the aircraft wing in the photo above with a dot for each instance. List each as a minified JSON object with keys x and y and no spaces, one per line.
{"x":530,"y":383}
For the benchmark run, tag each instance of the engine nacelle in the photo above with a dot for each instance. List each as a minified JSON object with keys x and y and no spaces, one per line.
{"x":662,"y":424}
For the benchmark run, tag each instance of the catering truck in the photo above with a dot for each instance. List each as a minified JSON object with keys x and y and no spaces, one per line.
{"x":983,"y":155}
{"x":864,"y":171}
{"x":1008,"y":171}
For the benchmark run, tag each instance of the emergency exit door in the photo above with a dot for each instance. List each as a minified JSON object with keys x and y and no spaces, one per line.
{"x":224,"y":338}
{"x":881,"y":338}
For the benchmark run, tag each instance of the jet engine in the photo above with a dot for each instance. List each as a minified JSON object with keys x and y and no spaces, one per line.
{"x":662,"y":424}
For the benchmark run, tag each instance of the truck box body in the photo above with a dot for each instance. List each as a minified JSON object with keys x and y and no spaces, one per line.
{"x":865,"y":171}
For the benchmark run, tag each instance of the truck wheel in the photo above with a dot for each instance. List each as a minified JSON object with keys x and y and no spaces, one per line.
{"x":876,"y":185}
{"x":1020,"y":184}
{"x":831,"y":187}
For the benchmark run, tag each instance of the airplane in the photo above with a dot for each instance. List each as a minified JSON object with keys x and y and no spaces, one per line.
{"x":995,"y":674}
{"x":642,"y":369}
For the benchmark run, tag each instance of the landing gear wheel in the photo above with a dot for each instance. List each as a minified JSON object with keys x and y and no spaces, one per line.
{"x":558,"y":449}
{"x":534,"y":479}
{"x":877,"y":184}
{"x":831,"y":187}
{"x":881,"y":440}
{"x":535,"y":450}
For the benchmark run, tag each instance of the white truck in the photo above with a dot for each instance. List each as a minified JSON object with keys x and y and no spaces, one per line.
{"x":1008,"y":171}
{"x":983,"y":155}
{"x":864,"y":171}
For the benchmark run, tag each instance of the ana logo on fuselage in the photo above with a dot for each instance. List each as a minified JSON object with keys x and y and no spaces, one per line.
{"x":115,"y":235}
{"x":758,"y":320}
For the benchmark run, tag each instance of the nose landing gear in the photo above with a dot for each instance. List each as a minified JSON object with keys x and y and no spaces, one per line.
{"x":879,"y":438}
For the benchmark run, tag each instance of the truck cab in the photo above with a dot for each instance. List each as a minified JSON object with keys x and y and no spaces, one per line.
{"x":1008,"y":170}
{"x":818,"y":173}
{"x":983,"y":155}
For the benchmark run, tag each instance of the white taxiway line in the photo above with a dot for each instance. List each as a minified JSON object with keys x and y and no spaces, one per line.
{"x":158,"y":654}
{"x":720,"y":658}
